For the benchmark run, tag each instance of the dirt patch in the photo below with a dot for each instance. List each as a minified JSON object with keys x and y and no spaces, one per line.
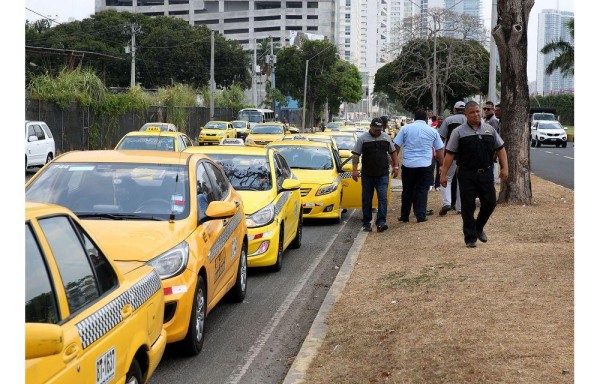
{"x":422,"y":308}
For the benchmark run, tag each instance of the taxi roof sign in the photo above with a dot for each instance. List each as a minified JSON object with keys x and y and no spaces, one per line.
{"x":231,"y":141}
{"x":158,"y":127}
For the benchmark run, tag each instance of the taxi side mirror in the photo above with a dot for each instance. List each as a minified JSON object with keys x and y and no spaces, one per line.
{"x":290,"y":185}
{"x":220,"y":210}
{"x":347,"y":167}
{"x":42,"y":339}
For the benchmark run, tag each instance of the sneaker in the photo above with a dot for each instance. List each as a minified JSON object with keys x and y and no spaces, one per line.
{"x":430,"y":188}
{"x":471,"y":244}
{"x":482,"y":237}
{"x":367,"y":228}
{"x":429,"y":212}
{"x":382,"y":227}
{"x":444,"y":210}
{"x":422,"y":220}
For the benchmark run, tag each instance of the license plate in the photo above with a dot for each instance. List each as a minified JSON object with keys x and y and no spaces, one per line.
{"x":105,"y":367}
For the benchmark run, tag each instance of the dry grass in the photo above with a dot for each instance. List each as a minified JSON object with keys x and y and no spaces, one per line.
{"x":422,"y":308}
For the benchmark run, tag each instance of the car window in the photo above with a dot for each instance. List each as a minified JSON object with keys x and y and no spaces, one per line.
{"x":217,"y":176}
{"x":279,"y":175}
{"x":30,"y":131}
{"x":156,"y":143}
{"x":40,"y":298}
{"x":204,"y":190}
{"x":47,"y":131}
{"x":39,"y":133}
{"x":186,"y":141}
{"x":75,"y":270}
{"x":105,"y":275}
{"x":283,"y":165}
{"x":181,"y":144}
{"x":245,"y":173}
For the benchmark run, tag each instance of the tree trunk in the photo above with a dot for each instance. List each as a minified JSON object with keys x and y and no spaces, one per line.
{"x":510,"y":35}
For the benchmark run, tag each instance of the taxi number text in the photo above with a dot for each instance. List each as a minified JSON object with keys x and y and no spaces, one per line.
{"x":105,"y":367}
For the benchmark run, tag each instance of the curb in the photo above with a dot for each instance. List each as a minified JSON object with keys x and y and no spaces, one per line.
{"x":318,"y":330}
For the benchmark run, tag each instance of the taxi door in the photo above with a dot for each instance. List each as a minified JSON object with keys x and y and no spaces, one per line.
{"x":351,"y":190}
{"x":222,"y":233}
{"x":288,"y":202}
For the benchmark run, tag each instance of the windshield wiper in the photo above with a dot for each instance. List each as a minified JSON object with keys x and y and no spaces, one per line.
{"x":240,"y":188}
{"x":315,"y":169}
{"x":119,"y":216}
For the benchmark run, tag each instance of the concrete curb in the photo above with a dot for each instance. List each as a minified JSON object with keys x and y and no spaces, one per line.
{"x":318,"y":330}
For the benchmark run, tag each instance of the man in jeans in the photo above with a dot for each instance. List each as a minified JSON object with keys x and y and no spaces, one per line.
{"x":417,"y":175}
{"x":375,"y":147}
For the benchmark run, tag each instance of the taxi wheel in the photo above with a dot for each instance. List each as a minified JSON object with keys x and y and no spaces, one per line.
{"x":339,"y":218}
{"x":134,"y":375}
{"x":192,"y":344}
{"x":297,"y":242}
{"x":279,"y":263}
{"x":238,"y":291}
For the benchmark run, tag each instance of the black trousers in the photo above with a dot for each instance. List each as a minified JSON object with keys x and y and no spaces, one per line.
{"x":472,"y":185}
{"x":415,"y":187}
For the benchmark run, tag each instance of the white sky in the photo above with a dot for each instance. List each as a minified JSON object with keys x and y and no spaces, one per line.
{"x":63,"y":10}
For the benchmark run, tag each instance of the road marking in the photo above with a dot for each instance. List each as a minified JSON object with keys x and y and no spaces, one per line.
{"x":239,"y":372}
{"x":549,"y":152}
{"x":572,"y":158}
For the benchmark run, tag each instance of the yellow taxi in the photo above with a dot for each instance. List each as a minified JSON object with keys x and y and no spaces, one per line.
{"x":163,"y":127}
{"x":358,"y":129}
{"x":174,"y":211}
{"x":242,"y":128}
{"x":312,"y":137}
{"x":85,"y":321}
{"x":345,"y":141}
{"x":214,"y":131}
{"x":155,"y":140}
{"x":264,"y":133}
{"x":326,"y":188}
{"x":333,"y":126}
{"x":271,"y":196}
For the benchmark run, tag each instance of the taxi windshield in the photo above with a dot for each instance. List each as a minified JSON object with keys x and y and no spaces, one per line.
{"x":251,"y":116}
{"x":246,"y":173}
{"x":115,"y":191}
{"x":344,"y":142}
{"x":306,"y":157}
{"x":153,"y":143}
{"x":334,"y":124}
{"x":267,"y":129}
{"x":210,"y":125}
{"x":550,"y":126}
{"x":239,"y":124}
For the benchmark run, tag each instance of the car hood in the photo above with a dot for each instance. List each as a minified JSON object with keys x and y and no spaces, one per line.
{"x":129,"y":240}
{"x":547,"y":131}
{"x":310,"y":176}
{"x":265,"y":137}
{"x":255,"y":200}
{"x":212,"y":131}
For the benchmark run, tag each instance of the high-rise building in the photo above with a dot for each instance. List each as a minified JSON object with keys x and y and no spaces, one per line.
{"x":241,"y":20}
{"x":552,"y":26}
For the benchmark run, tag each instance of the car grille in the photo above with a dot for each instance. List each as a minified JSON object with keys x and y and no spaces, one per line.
{"x":211,"y":134}
{"x":304,"y":191}
{"x":553,"y":134}
{"x":262,"y":142}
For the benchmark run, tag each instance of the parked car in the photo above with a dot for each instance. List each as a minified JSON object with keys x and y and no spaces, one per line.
{"x":548,"y":132}
{"x":153,"y":139}
{"x":39,"y":144}
{"x":85,"y":320}
{"x":175,"y":211}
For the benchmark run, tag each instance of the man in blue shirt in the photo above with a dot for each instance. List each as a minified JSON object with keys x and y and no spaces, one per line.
{"x":418,"y":139}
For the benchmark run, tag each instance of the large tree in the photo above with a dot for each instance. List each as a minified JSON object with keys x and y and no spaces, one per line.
{"x":510,"y":35}
{"x":565,"y":58}
{"x":168,"y":50}
{"x":461,"y":69}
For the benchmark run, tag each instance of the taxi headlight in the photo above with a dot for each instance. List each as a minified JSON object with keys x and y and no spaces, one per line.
{"x":327,"y":189}
{"x":261,"y":217}
{"x":171,"y":262}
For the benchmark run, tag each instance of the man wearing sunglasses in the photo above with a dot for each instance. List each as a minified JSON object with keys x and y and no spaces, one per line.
{"x":488,"y":115}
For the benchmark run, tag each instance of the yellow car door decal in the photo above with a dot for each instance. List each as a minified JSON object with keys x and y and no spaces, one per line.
{"x":225,"y":235}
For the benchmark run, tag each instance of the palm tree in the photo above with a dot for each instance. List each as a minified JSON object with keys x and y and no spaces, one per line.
{"x":565,"y":59}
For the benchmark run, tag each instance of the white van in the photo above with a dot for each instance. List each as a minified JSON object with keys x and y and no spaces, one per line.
{"x":39,"y":144}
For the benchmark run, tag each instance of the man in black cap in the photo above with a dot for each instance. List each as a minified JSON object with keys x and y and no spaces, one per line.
{"x":375,"y":147}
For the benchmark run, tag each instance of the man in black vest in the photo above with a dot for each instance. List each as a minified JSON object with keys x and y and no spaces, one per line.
{"x":474,"y":146}
{"x":375,"y":147}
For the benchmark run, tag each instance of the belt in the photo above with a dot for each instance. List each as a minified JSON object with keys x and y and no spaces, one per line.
{"x":478,"y":170}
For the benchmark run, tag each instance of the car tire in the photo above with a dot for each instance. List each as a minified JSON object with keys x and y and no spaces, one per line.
{"x":134,"y":375}
{"x":238,"y":291}
{"x":194,"y":340}
{"x":532,"y":142}
{"x":48,"y":158}
{"x":538,"y":143}
{"x":338,"y":219}
{"x":564,"y":145}
{"x":558,"y":145}
{"x":297,"y":242}
{"x":279,"y":262}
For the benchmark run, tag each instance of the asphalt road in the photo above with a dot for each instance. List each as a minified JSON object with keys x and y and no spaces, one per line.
{"x":255,"y":341}
{"x":554,"y":164}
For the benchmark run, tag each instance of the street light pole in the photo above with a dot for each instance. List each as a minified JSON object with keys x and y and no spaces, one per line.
{"x":304,"y":102}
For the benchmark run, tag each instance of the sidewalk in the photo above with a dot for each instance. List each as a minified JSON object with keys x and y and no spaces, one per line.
{"x":413,"y":304}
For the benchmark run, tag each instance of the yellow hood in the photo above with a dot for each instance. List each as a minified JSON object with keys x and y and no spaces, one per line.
{"x":310,"y":176}
{"x":137,"y":240}
{"x":255,"y":200}
{"x":212,"y":131}
{"x":265,"y":137}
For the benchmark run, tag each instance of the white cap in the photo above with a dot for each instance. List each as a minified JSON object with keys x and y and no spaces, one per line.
{"x":459,"y":105}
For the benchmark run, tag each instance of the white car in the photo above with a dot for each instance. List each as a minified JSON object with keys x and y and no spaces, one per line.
{"x":548,"y":132}
{"x":39,"y":144}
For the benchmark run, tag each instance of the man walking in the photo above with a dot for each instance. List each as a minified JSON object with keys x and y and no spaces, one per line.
{"x":417,"y":138}
{"x":488,"y":113}
{"x":474,"y":145}
{"x":448,"y":125}
{"x":375,"y":147}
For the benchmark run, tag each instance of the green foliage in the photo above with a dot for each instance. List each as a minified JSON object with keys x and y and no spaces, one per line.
{"x":168,"y":50}
{"x":230,"y":97}
{"x":344,"y":85}
{"x":564,"y":104}
{"x":274,"y":95}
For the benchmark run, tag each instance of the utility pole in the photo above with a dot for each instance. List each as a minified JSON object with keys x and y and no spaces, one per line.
{"x":133,"y":32}
{"x":304,"y":102}
{"x":493,"y":56}
{"x":254,"y":90}
{"x":272,"y":64}
{"x":212,"y":74}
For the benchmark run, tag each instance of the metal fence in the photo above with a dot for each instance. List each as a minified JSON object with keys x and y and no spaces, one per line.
{"x":78,"y":128}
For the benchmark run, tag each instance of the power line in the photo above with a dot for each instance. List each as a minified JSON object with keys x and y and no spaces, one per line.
{"x":44,"y":16}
